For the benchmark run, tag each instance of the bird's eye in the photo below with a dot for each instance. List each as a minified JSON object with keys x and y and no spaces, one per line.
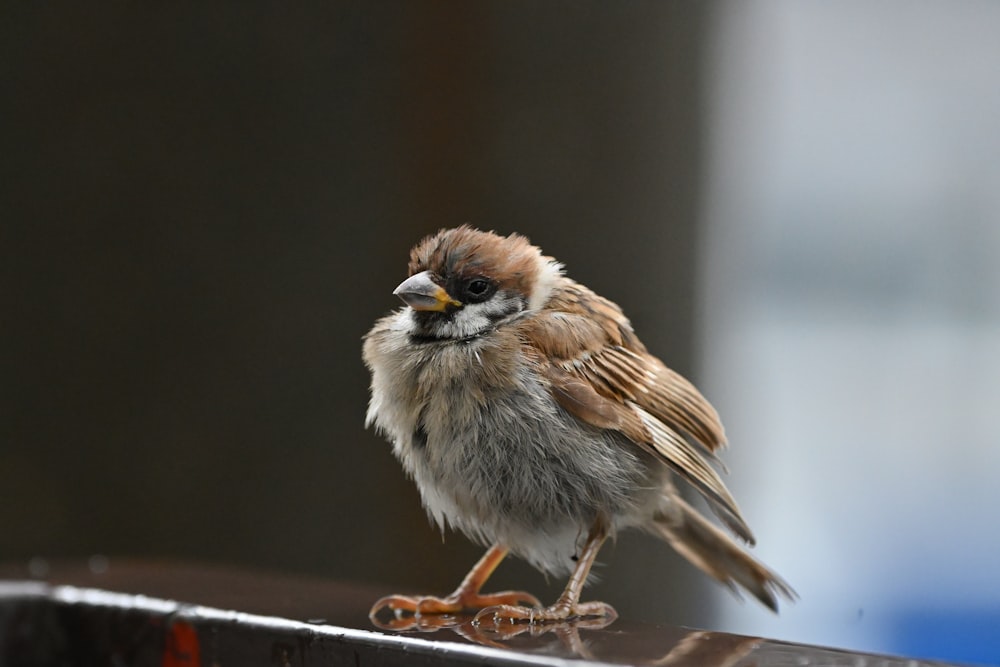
{"x":478,"y":289}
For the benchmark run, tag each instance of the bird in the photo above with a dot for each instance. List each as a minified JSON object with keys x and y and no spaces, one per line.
{"x":533,"y":420}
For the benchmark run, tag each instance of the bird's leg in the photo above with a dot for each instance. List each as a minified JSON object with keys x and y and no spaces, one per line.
{"x":465,"y":598}
{"x":568,"y":606}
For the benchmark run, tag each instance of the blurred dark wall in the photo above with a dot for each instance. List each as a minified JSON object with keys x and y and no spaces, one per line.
{"x":205,"y":207}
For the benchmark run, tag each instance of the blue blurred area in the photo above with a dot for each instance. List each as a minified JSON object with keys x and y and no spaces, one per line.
{"x":958,"y":635}
{"x":852,"y":328}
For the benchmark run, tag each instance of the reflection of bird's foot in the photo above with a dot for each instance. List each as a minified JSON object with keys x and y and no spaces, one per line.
{"x":456,"y":603}
{"x":591,"y":614}
{"x":499,"y":624}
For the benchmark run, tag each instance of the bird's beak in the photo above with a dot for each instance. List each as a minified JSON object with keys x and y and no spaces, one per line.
{"x":419,"y":292}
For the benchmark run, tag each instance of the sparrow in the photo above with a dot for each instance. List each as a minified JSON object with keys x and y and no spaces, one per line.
{"x":533,"y":420}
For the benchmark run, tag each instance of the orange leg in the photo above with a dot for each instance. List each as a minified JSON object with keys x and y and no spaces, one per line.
{"x":465,"y":598}
{"x":568,"y":606}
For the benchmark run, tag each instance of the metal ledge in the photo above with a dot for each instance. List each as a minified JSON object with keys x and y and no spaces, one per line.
{"x":134,"y":613}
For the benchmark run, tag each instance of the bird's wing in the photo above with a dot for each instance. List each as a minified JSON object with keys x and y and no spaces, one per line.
{"x":599,"y":372}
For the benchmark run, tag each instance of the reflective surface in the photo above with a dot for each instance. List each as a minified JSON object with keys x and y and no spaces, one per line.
{"x":159,"y":613}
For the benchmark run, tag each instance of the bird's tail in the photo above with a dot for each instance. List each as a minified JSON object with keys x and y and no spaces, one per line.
{"x":714,"y":552}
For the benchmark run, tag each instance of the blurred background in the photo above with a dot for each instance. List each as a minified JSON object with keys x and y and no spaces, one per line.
{"x":203,"y":209}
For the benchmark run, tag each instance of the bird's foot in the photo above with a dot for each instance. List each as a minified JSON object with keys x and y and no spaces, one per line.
{"x":456,"y":603}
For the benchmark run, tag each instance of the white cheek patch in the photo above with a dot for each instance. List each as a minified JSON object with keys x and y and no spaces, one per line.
{"x":550,"y":272}
{"x":475,"y":318}
{"x":469,"y":321}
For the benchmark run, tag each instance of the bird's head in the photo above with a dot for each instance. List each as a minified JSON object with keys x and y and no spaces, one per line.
{"x":463,"y":281}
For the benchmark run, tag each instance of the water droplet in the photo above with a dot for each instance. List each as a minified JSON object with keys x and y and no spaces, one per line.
{"x":98,"y":564}
{"x":38,"y":567}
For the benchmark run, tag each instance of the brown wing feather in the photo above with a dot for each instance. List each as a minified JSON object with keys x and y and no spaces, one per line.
{"x":600,"y":373}
{"x":675,"y":401}
{"x":580,"y":328}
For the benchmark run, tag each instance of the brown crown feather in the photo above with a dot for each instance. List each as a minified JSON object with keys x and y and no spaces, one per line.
{"x":465,"y":251}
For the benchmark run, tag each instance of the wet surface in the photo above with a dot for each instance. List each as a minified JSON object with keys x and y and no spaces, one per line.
{"x":137,"y":613}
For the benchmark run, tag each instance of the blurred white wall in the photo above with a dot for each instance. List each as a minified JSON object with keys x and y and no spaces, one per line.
{"x":852,"y":314}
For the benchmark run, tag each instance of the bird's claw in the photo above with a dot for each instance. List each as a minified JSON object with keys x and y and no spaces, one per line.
{"x":431,"y":606}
